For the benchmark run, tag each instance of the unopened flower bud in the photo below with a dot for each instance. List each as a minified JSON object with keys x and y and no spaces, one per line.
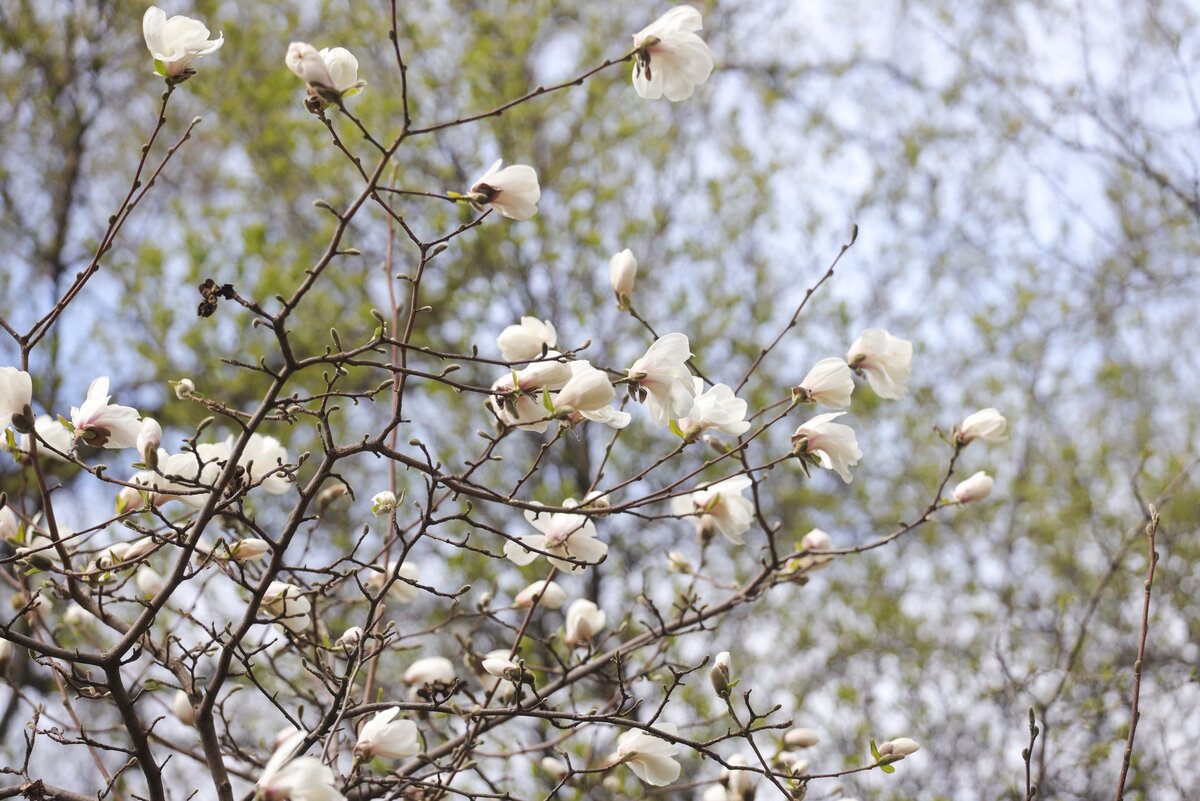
{"x":148,"y":581}
{"x":330,"y":494}
{"x":899,"y":748}
{"x":678,"y":563}
{"x":549,"y":594}
{"x":719,"y":675}
{"x":622,"y":273}
{"x":181,"y":705}
{"x":554,"y":768}
{"x":801,"y":738}
{"x":248,"y":549}
{"x":350,"y":638}
{"x":184,"y":388}
{"x":986,"y":424}
{"x":384,"y":503}
{"x":975,"y":488}
{"x":149,"y":438}
{"x":6,"y":655}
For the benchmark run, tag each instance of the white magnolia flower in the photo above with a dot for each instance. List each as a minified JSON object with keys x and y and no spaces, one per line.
{"x":740,"y":782}
{"x":801,"y":738}
{"x":181,"y":705}
{"x":330,"y":73}
{"x":720,"y":506}
{"x":520,"y":411}
{"x":6,"y":655}
{"x":149,"y":438}
{"x":287,"y":603}
{"x":719,"y":675}
{"x":524,"y":341}
{"x":672,"y":59}
{"x":402,"y":589}
{"x":383,"y":737}
{"x":500,"y":665}
{"x":899,"y":748}
{"x":562,"y":535}
{"x":430,"y":670}
{"x":815,"y":542}
{"x":886,"y":360}
{"x":174,"y":42}
{"x":550,"y":594}
{"x":8,"y":524}
{"x":714,"y":792}
{"x":148,"y":581}
{"x":290,"y":778}
{"x":587,"y":391}
{"x":16,"y":393}
{"x":548,"y":373}
{"x":184,"y":388}
{"x":103,"y":425}
{"x":248,"y":549}
{"x":512,"y":191}
{"x":584,"y":621}
{"x":718,"y":408}
{"x":663,"y":373}
{"x":383,"y":503}
{"x":555,"y":768}
{"x":51,"y":432}
{"x":649,"y":757}
{"x":986,"y":424}
{"x":834,"y":445}
{"x":678,"y":563}
{"x":829,"y":383}
{"x":622,"y":273}
{"x":76,"y":615}
{"x":350,"y":638}
{"x":262,"y":458}
{"x":975,"y":488}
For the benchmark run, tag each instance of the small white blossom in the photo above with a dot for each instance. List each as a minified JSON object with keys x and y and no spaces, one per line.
{"x":149,"y":438}
{"x":16,"y":394}
{"x":719,"y":675}
{"x":899,"y":748}
{"x":551,"y":595}
{"x":148,"y":581}
{"x":649,"y":757}
{"x":986,"y":424}
{"x":886,"y":360}
{"x":815,"y":542}
{"x":720,"y":505}
{"x":525,"y":341}
{"x":402,"y":589}
{"x":248,"y":549}
{"x":664,"y":375}
{"x":801,"y":738}
{"x":584,"y":621}
{"x":184,"y":388}
{"x":512,"y":191}
{"x":52,"y":433}
{"x":562,"y":535}
{"x":672,"y":59}
{"x":383,"y":504}
{"x":287,"y":603}
{"x":716,"y":409}
{"x":622,"y":274}
{"x":588,"y":391}
{"x":829,"y":383}
{"x":975,"y":488}
{"x":103,"y":425}
{"x":288,"y":777}
{"x":385,"y":738}
{"x":430,"y":670}
{"x":174,"y":42}
{"x":834,"y":445}
{"x":350,"y":638}
{"x":181,"y":705}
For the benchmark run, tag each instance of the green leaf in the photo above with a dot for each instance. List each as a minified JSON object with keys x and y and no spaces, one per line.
{"x":874,"y":750}
{"x":887,"y":768}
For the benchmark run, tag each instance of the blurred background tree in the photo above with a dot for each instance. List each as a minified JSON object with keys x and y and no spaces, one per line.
{"x":1025,"y":178}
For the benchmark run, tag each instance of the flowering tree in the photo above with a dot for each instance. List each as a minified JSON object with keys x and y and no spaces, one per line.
{"x":324,"y":589}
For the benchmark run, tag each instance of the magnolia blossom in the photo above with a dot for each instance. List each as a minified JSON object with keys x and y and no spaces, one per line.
{"x":740,"y":783}
{"x":383,"y":503}
{"x":899,"y":748}
{"x":174,"y":42}
{"x":622,"y":273}
{"x":834,"y":445}
{"x":383,"y":737}
{"x":562,"y":535}
{"x":663,"y":373}
{"x":801,"y":738}
{"x":331,"y":73}
{"x":261,"y":458}
{"x":6,"y":655}
{"x":718,"y":408}
{"x":8,"y":524}
{"x":287,"y":603}
{"x":975,"y":488}
{"x":549,"y":594}
{"x":184,"y":388}
{"x":148,"y":581}
{"x":526,"y":340}
{"x":588,"y":391}
{"x":49,"y":431}
{"x":103,"y":425}
{"x":555,"y":768}
{"x":986,"y":424}
{"x":289,"y":778}
{"x":671,"y":60}
{"x":828,"y":383}
{"x":430,"y":670}
{"x":512,"y":191}
{"x":248,"y":549}
{"x":76,"y":615}
{"x":719,"y":675}
{"x":814,"y":542}
{"x":517,"y":410}
{"x":402,"y":589}
{"x":500,"y":665}
{"x":149,"y":438}
{"x":350,"y":638}
{"x":649,"y":757}
{"x":548,"y":373}
{"x":720,"y":506}
{"x":886,"y":360}
{"x":181,"y":705}
{"x":584,"y":621}
{"x":16,"y":394}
